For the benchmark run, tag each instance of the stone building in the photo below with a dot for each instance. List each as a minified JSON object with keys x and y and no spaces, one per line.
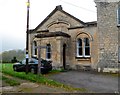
{"x":72,"y":43}
{"x":108,"y":28}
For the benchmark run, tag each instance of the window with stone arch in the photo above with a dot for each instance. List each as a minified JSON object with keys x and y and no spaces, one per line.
{"x":48,"y":51}
{"x":83,"y":45}
{"x":34,"y":49}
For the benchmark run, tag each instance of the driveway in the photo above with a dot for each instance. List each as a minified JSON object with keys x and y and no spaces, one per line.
{"x":91,"y":81}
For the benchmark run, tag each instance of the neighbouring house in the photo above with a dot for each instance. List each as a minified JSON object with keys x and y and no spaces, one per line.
{"x":72,"y":43}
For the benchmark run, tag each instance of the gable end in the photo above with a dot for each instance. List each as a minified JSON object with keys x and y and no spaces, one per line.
{"x":58,"y":8}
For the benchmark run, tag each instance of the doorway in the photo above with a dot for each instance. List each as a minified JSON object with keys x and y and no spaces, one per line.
{"x":64,"y":56}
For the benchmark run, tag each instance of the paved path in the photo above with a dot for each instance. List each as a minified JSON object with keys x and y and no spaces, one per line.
{"x":28,"y":87}
{"x":31,"y":88}
{"x":91,"y":81}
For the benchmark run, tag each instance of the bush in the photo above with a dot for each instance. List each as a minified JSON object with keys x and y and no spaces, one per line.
{"x":14,"y":60}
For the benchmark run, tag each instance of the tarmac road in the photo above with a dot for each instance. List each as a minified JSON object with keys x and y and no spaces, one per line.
{"x":91,"y":81}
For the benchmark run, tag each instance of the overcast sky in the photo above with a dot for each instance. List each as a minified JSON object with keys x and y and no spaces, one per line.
{"x":13,"y":16}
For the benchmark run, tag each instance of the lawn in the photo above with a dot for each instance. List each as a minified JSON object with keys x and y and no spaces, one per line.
{"x":7,"y":69}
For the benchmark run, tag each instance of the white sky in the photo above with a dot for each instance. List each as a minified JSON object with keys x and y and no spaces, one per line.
{"x":13,"y":14}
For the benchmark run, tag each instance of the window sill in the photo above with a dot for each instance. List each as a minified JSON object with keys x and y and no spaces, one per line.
{"x":34,"y":56}
{"x":48,"y":59}
{"x":118,"y":25}
{"x":83,"y":58}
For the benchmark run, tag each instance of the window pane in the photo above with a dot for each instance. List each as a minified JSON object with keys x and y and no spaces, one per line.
{"x":119,"y":15}
{"x":34,"y":51}
{"x":87,"y":51}
{"x":35,"y":48}
{"x":48,"y":55}
{"x":48,"y":48}
{"x":48,"y":51}
{"x":86,"y":41}
{"x":79,"y":42}
{"x":87,"y":47}
{"x":80,"y":51}
{"x":79,"y":47}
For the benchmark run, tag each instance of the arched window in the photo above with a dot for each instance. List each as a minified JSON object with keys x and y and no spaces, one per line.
{"x":83,"y":47}
{"x":48,"y":51}
{"x":34,"y":49}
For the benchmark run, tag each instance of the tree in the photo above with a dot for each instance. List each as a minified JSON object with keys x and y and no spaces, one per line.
{"x":7,"y":56}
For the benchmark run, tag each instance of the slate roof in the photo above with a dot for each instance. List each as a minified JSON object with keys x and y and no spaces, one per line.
{"x":92,"y":23}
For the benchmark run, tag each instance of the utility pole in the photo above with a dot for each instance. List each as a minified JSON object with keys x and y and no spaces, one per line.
{"x":27,"y":36}
{"x":39,"y":58}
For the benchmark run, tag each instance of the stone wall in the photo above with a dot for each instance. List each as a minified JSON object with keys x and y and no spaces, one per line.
{"x":63,"y":20}
{"x":92,"y":32}
{"x":63,"y":23}
{"x":107,"y":34}
{"x":56,"y":50}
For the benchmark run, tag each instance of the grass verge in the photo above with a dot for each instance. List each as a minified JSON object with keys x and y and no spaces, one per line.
{"x":7,"y":69}
{"x":10,"y":81}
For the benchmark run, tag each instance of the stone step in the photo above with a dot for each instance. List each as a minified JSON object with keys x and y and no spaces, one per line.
{"x":83,"y":67}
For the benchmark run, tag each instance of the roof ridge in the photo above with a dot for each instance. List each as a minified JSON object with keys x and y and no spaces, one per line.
{"x":59,"y":7}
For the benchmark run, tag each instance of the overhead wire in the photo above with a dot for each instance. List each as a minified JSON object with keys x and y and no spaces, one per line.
{"x":78,"y":6}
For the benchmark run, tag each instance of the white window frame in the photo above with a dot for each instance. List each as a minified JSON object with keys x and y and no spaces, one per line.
{"x":78,"y":49}
{"x":33,"y":49}
{"x":83,"y":48}
{"x":118,"y":18}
